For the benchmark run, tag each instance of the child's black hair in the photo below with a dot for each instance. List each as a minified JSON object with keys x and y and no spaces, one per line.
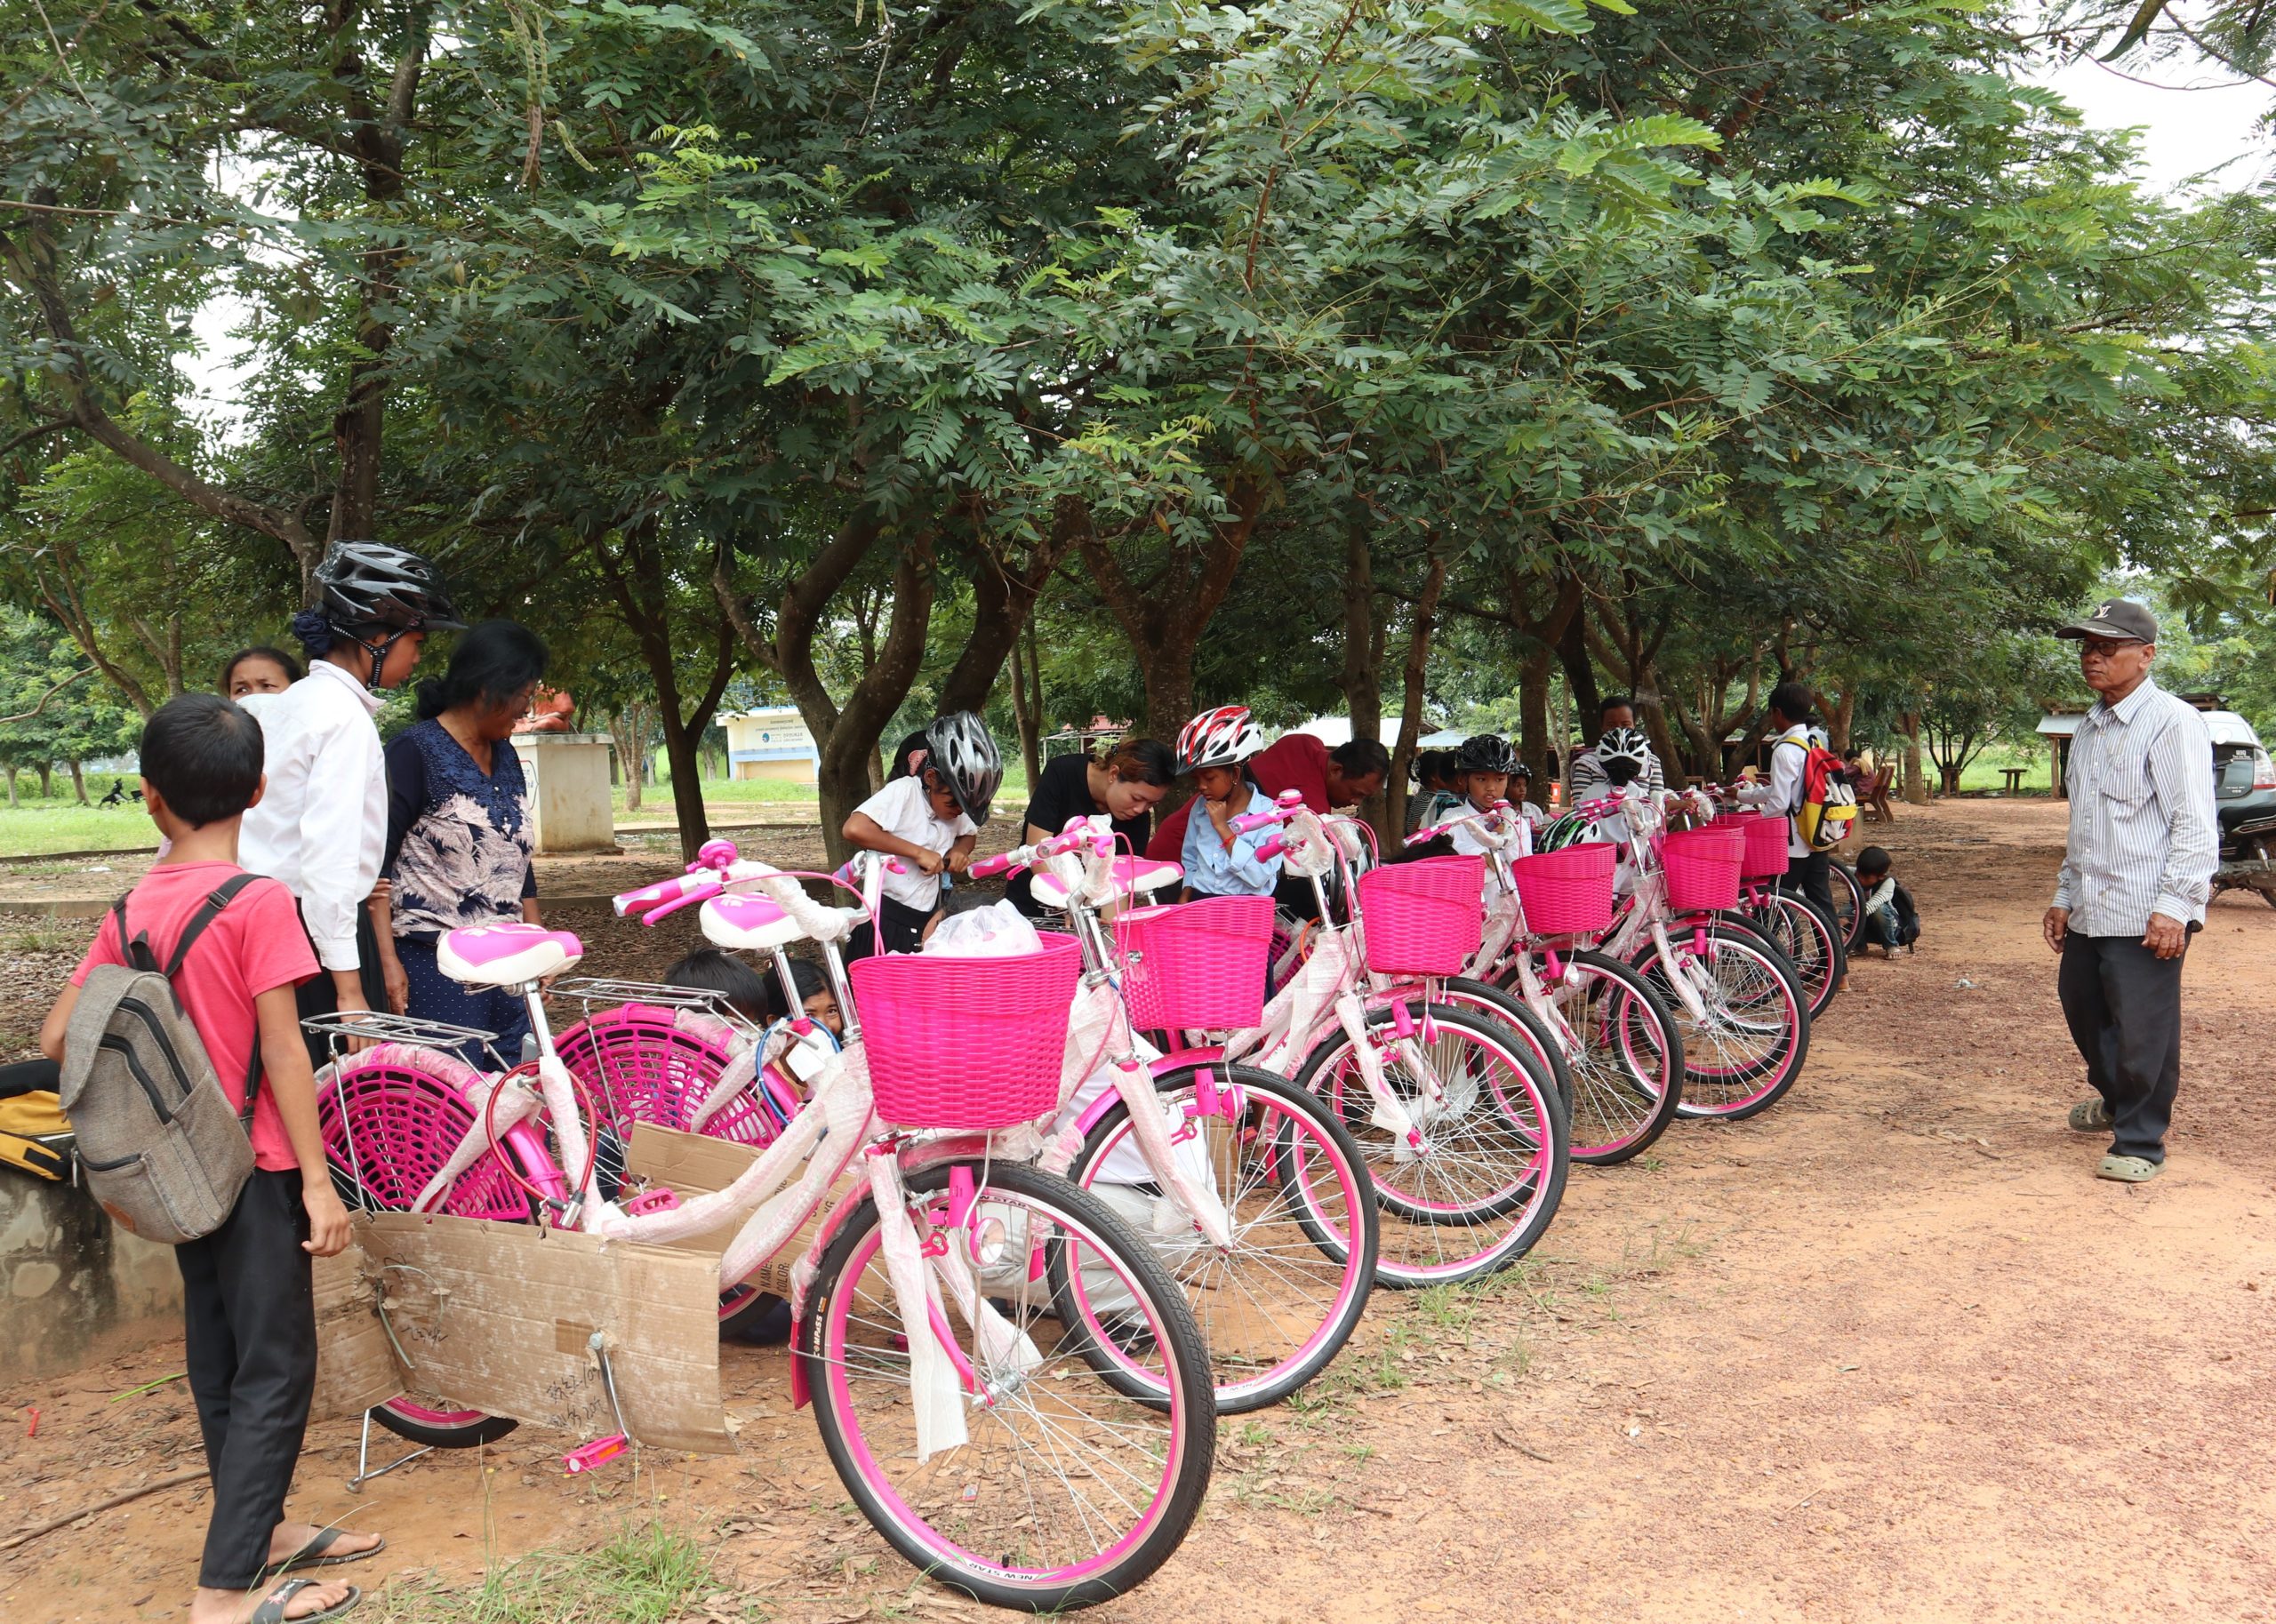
{"x":715,"y":969}
{"x":810,"y":979}
{"x":203,"y":757}
{"x":276,"y":657}
{"x":1872,"y":859}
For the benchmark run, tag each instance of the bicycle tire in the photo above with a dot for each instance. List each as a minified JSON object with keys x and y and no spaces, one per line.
{"x":1065,"y":1217}
{"x":1434,"y":1232}
{"x":1799,"y":928}
{"x":1337,"y":1224}
{"x":1496,"y":1004}
{"x":1767,"y":1011}
{"x":1848,"y":903}
{"x":1646,"y":1065}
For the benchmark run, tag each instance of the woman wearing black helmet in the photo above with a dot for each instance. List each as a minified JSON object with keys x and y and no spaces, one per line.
{"x":321,"y":823}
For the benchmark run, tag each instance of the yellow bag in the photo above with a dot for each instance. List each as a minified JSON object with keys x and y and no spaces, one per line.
{"x":26,"y":1121}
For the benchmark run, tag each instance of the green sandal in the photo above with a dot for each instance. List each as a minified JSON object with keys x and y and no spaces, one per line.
{"x":2128,"y":1169}
{"x":2091,"y":1116}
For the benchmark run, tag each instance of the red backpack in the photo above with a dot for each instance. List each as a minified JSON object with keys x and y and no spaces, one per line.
{"x":1829,"y":803}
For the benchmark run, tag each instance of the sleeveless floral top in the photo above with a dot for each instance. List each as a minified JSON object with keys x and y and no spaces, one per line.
{"x":458,"y":840}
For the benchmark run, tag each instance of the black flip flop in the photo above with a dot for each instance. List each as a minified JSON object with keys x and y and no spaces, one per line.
{"x":312,"y":1555}
{"x":271,"y":1610}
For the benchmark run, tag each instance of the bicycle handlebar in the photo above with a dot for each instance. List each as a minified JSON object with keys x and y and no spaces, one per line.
{"x":1077,"y":833}
{"x":1499,"y":812}
{"x":1286,"y":805}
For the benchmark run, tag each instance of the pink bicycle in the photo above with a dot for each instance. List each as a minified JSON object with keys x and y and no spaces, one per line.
{"x":1461,"y":1126}
{"x":1252,"y":1192}
{"x":971,"y":1428}
{"x":1737,"y":1002}
{"x":1619,"y":1042}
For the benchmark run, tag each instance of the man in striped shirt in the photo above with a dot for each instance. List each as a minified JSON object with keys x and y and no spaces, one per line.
{"x":2136,"y":873}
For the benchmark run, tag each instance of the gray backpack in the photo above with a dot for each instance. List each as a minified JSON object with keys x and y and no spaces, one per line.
{"x":162,"y":1149}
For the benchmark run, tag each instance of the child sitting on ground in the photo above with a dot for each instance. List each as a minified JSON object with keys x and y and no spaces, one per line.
{"x":929,"y":821}
{"x":1891,"y":920}
{"x":248,"y":1294}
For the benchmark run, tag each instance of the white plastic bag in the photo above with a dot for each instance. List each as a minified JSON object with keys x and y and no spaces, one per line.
{"x":998,"y":931}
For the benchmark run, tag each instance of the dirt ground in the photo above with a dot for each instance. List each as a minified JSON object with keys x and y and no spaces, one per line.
{"x":1888,"y":1352}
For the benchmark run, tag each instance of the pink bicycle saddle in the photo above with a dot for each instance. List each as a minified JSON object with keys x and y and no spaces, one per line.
{"x":1131,"y":874}
{"x":739,"y":921}
{"x":507,"y":953}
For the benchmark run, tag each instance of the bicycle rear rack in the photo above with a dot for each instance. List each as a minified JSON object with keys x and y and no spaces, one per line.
{"x":385,"y":1027}
{"x":592,"y":992}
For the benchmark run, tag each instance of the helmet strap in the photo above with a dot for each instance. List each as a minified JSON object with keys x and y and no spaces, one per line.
{"x":377,"y":653}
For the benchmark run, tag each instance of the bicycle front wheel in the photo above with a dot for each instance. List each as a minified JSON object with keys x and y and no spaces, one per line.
{"x":1848,"y":904}
{"x":1068,"y":1491}
{"x":1280,"y":1302}
{"x":1481,"y":1186}
{"x":1812,"y":943}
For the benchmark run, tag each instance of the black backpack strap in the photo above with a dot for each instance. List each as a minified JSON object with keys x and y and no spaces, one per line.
{"x":207,"y":912}
{"x":133,"y":951}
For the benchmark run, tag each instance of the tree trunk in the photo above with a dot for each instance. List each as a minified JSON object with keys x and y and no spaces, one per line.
{"x":11,"y":786}
{"x":1025,"y":711}
{"x":78,"y":783}
{"x":1540,"y":637}
{"x":46,"y":771}
{"x":1949,"y":771}
{"x":635,"y":573}
{"x":624,"y":728}
{"x":1164,"y":617}
{"x":1580,"y":675}
{"x":1004,"y":596}
{"x":849,"y":755}
{"x":1363,"y":662}
{"x":1916,"y":778}
{"x":1420,"y":630}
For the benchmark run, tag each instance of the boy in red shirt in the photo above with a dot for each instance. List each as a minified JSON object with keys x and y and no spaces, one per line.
{"x":248,"y":1303}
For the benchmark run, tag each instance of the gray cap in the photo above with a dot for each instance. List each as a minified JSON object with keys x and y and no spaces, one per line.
{"x":2121,"y":620}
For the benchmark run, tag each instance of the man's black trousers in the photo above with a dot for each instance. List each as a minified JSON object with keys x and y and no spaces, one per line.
{"x":2123,"y":1005}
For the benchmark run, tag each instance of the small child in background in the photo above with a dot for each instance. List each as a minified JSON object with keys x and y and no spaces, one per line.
{"x":1521,"y":796}
{"x":1891,"y":919}
{"x":929,"y":820}
{"x":1434,"y":790}
{"x":757,"y":996}
{"x":1220,"y":861}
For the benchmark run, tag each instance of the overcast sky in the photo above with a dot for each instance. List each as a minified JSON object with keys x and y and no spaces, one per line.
{"x":2199,"y":126}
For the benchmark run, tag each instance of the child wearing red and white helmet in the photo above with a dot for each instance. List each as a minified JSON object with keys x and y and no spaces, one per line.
{"x":1220,"y":862}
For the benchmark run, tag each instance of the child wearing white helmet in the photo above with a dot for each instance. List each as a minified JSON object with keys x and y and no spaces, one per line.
{"x":1219,"y":860}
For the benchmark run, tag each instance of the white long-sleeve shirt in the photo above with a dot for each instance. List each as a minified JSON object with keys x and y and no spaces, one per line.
{"x":1782,"y":796}
{"x":2143,"y":834}
{"x":322,"y":824}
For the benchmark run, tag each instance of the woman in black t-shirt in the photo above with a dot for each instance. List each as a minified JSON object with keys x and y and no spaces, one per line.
{"x":1125,"y":784}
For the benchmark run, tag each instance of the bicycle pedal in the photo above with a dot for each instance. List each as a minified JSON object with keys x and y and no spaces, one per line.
{"x":597,"y":1453}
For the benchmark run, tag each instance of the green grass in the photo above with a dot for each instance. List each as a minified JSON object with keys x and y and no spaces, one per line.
{"x":645,"y":1574}
{"x":34,"y":826}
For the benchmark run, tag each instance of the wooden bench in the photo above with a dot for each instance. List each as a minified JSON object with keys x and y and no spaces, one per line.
{"x":2014,"y":777}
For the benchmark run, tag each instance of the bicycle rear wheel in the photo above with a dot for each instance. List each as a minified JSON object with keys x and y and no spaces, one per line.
{"x":1499,"y":1005}
{"x":1749,"y":1049}
{"x":1068,"y":1492}
{"x":1812,"y":943}
{"x":1626,"y":1058}
{"x":1280,"y":1303}
{"x":1848,"y":903}
{"x":390,"y":1118}
{"x":1487,"y":1179}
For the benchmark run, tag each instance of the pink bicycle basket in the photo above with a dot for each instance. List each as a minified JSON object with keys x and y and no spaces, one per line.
{"x":1195,"y":964}
{"x":1703,"y":868}
{"x":1567,"y":892}
{"x":973,"y":1043}
{"x":1424,"y":918}
{"x":1765,"y":844}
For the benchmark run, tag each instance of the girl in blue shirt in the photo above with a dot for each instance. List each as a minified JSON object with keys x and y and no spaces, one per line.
{"x":1218,"y":861}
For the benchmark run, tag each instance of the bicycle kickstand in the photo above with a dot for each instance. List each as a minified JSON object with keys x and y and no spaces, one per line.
{"x":601,"y":1450}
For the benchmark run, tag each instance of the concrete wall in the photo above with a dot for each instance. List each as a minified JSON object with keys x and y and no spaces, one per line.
{"x":71,"y":1279}
{"x":568,"y":777}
